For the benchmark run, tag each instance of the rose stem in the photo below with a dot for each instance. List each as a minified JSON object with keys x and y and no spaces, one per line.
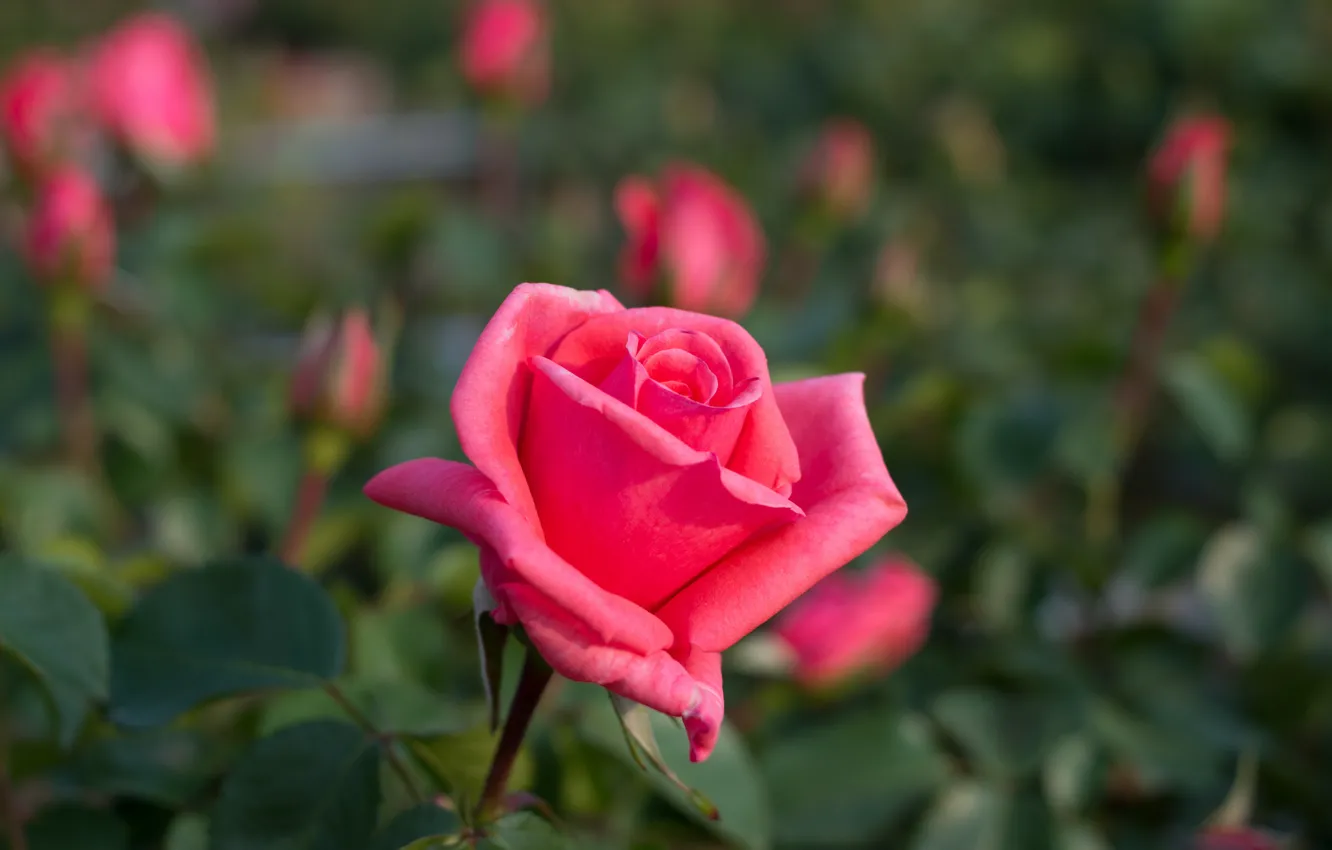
{"x":1135,"y":391}
{"x":532,"y":683}
{"x":309,"y":499}
{"x":69,"y":353}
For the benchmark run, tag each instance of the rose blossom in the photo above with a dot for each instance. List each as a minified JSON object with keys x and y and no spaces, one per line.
{"x":38,"y":106}
{"x":643,"y":495}
{"x":1187,"y":175}
{"x":851,"y":622}
{"x":696,"y":233}
{"x":151,"y":91}
{"x":839,"y":172}
{"x":70,"y":236}
{"x":338,"y":378}
{"x":504,"y":50}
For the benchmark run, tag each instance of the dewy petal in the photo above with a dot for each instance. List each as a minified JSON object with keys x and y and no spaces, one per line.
{"x":764,"y":450}
{"x":459,"y":496}
{"x":623,"y":500}
{"x":850,"y":502}
{"x":490,"y":400}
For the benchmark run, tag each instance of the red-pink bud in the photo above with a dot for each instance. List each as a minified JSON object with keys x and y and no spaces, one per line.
{"x":1187,"y":175}
{"x":339,"y":376}
{"x":839,"y":172}
{"x":853,"y":622}
{"x":151,"y":90}
{"x":1235,"y":838}
{"x":505,"y":52}
{"x":696,"y":233}
{"x":70,"y":235}
{"x":38,"y":110}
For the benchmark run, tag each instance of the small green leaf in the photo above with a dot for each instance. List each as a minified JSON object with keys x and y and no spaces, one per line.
{"x":967,"y":817}
{"x":308,"y":787}
{"x":58,"y":636}
{"x":523,"y":831}
{"x":418,"y":826}
{"x":226,"y":629}
{"x":1073,"y":773}
{"x":1206,"y":399}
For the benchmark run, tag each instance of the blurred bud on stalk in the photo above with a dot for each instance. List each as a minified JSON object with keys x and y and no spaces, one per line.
{"x":838,"y":174}
{"x":39,"y":107}
{"x":151,"y":91}
{"x":1187,"y":178}
{"x":505,"y":51}
{"x":70,"y":238}
{"x":339,"y":377}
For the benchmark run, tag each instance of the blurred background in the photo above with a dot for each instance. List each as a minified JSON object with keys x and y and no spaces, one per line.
{"x":1120,"y":627}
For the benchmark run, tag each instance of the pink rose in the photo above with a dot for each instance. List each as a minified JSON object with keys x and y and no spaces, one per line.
{"x":852,"y":622}
{"x":695,"y":233}
{"x":504,"y":50}
{"x":38,"y":107}
{"x":151,"y":91}
{"x":70,"y":235}
{"x":643,"y":496}
{"x":339,"y":375}
{"x":1187,"y":176}
{"x":839,"y":173}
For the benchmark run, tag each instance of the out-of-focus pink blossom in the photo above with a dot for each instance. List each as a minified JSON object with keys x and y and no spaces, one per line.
{"x":839,"y":172}
{"x":505,"y":52}
{"x":1187,"y":176}
{"x":339,"y":376}
{"x":856,"y":622}
{"x":70,"y":236}
{"x":696,"y":234}
{"x":151,"y":90}
{"x":39,"y":103}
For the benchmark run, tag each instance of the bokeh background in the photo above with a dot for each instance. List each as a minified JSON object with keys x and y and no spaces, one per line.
{"x":1112,"y":641}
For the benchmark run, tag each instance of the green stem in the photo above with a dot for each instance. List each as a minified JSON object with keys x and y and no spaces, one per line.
{"x":363,"y":720}
{"x":532,"y":683}
{"x":309,"y":499}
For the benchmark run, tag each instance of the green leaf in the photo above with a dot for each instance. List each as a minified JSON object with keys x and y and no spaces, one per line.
{"x":1254,"y":590}
{"x":393,"y":706}
{"x":523,"y":831}
{"x":165,"y":766}
{"x":967,"y":817}
{"x":729,"y":778}
{"x":1005,"y":735}
{"x":308,"y":787}
{"x":419,"y":824}
{"x":1073,"y":774}
{"x":1208,"y":401}
{"x":187,"y":832}
{"x":58,"y":636}
{"x":641,"y":740}
{"x":843,"y":782}
{"x":68,"y":826}
{"x":226,"y":629}
{"x":462,"y":760}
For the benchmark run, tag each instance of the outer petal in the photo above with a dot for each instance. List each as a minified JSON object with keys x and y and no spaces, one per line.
{"x":764,"y":451}
{"x":625,"y":501}
{"x":491,"y":397}
{"x":456,"y":495}
{"x":850,"y":502}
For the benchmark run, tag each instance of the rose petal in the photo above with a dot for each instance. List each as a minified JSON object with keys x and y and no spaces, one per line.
{"x":675,"y":368}
{"x":700,"y":345}
{"x":456,"y":495}
{"x":703,"y":718}
{"x":764,"y":451}
{"x":490,"y":399}
{"x":632,"y":507}
{"x":850,"y":502}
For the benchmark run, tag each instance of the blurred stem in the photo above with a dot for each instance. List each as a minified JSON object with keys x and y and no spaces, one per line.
{"x":1134,"y":396}
{"x":532,"y":683}
{"x":10,"y":815}
{"x":363,"y":720}
{"x":309,"y":499}
{"x":70,"y":310}
{"x":500,"y":165}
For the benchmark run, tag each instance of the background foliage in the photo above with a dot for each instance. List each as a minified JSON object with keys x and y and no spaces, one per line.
{"x":1110,"y":642}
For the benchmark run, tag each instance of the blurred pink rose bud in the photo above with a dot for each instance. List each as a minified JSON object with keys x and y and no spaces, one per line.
{"x":839,"y":172}
{"x":38,"y":108}
{"x":505,"y":52}
{"x":1187,"y":177}
{"x":339,"y":377}
{"x":152,"y":92}
{"x":856,"y":622}
{"x":694,"y":233}
{"x":70,"y":235}
{"x":1235,"y":838}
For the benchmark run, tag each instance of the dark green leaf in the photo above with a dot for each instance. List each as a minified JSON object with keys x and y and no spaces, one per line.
{"x":491,"y":638}
{"x":1074,"y":773}
{"x":166,"y":766}
{"x":71,"y":827}
{"x":58,"y":636}
{"x":226,"y":629}
{"x":967,"y":817}
{"x":393,"y":706}
{"x":426,"y":821}
{"x":309,"y":787}
{"x":523,"y":831}
{"x":1207,"y":400}
{"x":187,"y":832}
{"x":1005,"y":735}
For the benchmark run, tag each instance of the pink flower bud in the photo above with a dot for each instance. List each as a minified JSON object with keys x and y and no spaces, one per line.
{"x":38,"y":108}
{"x":152,"y":92}
{"x":339,"y":377}
{"x":839,"y":172}
{"x":70,"y":235}
{"x":504,"y":50}
{"x":695,"y":233}
{"x":1187,"y":177}
{"x":854,"y":622}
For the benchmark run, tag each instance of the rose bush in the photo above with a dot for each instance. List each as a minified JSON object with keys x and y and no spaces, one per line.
{"x":643,"y":495}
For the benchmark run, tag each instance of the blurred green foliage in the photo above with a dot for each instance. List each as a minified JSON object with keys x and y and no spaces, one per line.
{"x":1111,"y":637}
